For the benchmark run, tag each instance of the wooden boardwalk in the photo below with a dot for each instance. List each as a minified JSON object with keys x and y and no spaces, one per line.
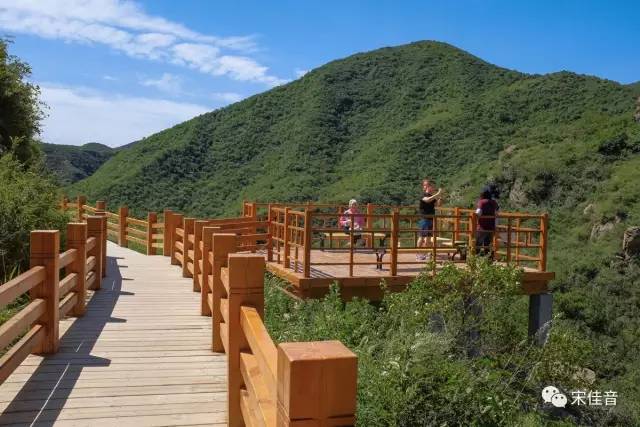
{"x":141,"y":356}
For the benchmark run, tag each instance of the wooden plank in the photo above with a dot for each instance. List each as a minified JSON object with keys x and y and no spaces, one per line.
{"x":21,"y":284}
{"x":261,"y":346}
{"x":67,"y":303}
{"x":135,"y":239}
{"x":264,"y":403}
{"x":66,"y":284}
{"x":91,"y":263}
{"x":90,"y":280}
{"x":91,"y":243}
{"x":20,"y":351}
{"x":136,"y":232}
{"x":224,"y":309}
{"x":19,"y":323}
{"x":135,"y":221}
{"x":67,"y":257}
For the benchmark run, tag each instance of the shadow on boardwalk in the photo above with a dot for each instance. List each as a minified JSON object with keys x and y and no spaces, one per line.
{"x":52,"y":381}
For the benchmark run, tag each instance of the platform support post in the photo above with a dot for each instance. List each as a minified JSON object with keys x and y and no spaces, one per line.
{"x":540,"y":315}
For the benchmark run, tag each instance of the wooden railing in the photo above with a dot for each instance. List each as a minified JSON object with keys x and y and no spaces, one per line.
{"x":144,"y":234}
{"x":306,"y":382}
{"x":519,"y":239}
{"x":52,"y":296}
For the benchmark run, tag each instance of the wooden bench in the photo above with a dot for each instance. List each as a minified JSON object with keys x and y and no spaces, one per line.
{"x":342,"y":236}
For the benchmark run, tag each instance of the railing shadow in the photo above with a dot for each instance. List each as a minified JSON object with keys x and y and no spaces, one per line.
{"x":42,"y":397}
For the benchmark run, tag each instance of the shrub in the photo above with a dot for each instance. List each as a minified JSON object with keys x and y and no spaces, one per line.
{"x":28,"y":201}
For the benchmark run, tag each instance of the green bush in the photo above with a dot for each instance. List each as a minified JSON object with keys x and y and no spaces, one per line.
{"x":28,"y":201}
{"x":420,"y":363}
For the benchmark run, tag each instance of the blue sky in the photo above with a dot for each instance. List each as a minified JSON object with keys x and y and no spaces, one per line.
{"x":114,"y":71}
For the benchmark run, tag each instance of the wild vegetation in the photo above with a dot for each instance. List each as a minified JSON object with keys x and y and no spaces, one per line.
{"x":28,"y":199}
{"x":421,"y":363}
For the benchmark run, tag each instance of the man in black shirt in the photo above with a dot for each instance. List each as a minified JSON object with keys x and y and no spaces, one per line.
{"x":427,"y":211}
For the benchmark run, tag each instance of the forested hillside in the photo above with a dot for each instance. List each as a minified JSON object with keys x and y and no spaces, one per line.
{"x":70,"y":163}
{"x":371,"y":125}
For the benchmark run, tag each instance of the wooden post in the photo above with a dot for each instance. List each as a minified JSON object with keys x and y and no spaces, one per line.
{"x":254,"y":211}
{"x":103,"y":242}
{"x":205,"y":285}
{"x":271,"y":230}
{"x":45,"y":251}
{"x":544,"y":230}
{"x":246,"y":287}
{"x":472,"y":232}
{"x":166,"y":240}
{"x":307,"y":242}
{"x":188,"y":229}
{"x":509,"y":240}
{"x":395,"y":226}
{"x":101,"y":206}
{"x":152,"y":218}
{"x":198,"y":278}
{"x":518,"y":241}
{"x":456,"y":225}
{"x":94,"y":229}
{"x":221,"y":245}
{"x":316,"y":384}
{"x":82,"y":200}
{"x":123,"y":213}
{"x":77,"y":239}
{"x":434,"y":242}
{"x":286,"y":238}
{"x":176,"y":222}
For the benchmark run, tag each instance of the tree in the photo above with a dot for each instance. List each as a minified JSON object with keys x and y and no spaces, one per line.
{"x":20,"y":109}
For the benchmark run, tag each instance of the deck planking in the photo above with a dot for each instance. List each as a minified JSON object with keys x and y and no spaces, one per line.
{"x":141,"y":356}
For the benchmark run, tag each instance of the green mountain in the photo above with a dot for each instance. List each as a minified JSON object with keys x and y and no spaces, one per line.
{"x":71,"y":163}
{"x":372,"y":125}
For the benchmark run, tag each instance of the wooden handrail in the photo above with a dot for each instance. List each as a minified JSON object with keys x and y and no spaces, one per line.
{"x":52,"y":297}
{"x":269,"y":385}
{"x":21,"y":284}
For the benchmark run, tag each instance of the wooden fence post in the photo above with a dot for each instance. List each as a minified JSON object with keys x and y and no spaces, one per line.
{"x":271,"y":232}
{"x":77,"y":239}
{"x":198,"y":259}
{"x":123,"y":213}
{"x":221,"y":246}
{"x":94,"y":229}
{"x":101,"y":206}
{"x":246,"y":287}
{"x":152,"y":218}
{"x":166,"y":250}
{"x":82,"y":200}
{"x":456,"y":225}
{"x":286,"y":238}
{"x":176,"y":220}
{"x":316,"y":384}
{"x":395,"y":226}
{"x":206,"y":282}
{"x":473,"y":226}
{"x":188,"y":246}
{"x":307,"y":242}
{"x":45,"y":251}
{"x":103,"y":242}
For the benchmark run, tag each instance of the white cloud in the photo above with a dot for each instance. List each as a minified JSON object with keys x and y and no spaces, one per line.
{"x":226,"y":97}
{"x":79,"y":115}
{"x":109,"y":78}
{"x":299,"y":72}
{"x":125,"y":27}
{"x":168,"y":83}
